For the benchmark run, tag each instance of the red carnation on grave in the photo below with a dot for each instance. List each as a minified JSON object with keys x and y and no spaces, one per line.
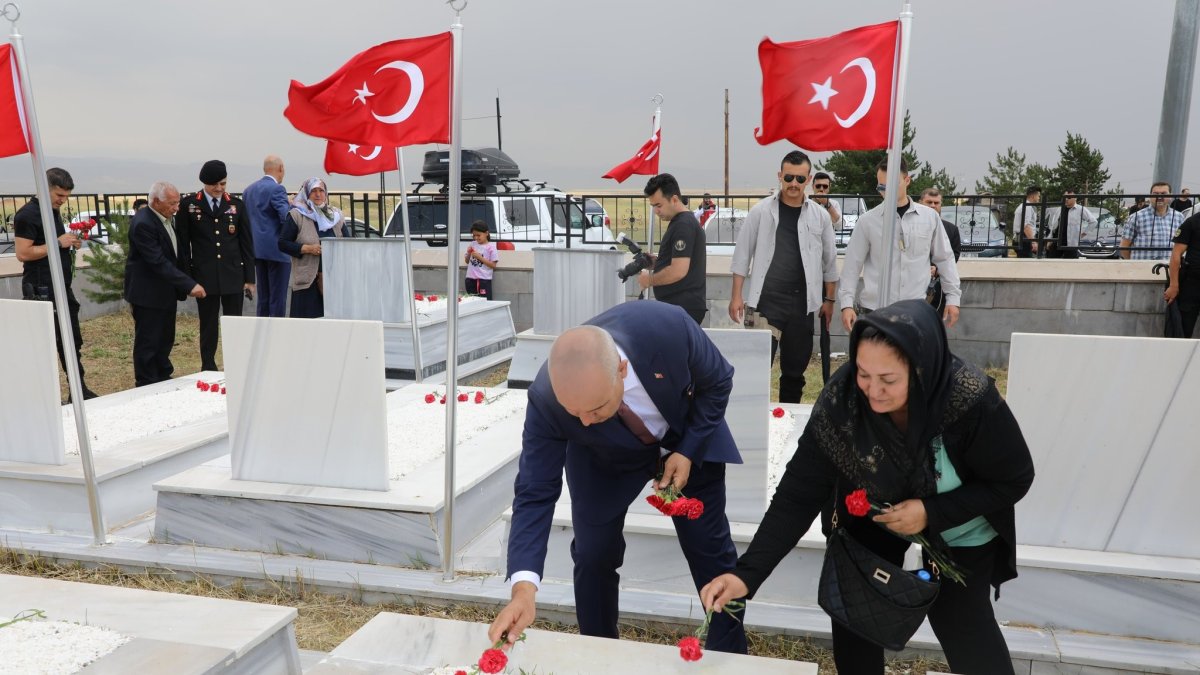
{"x":216,"y":389}
{"x":222,"y":390}
{"x":689,"y":648}
{"x":199,"y":384}
{"x":433,"y":298}
{"x":493,"y":661}
{"x":479,"y":397}
{"x":460,"y":672}
{"x":418,"y":296}
{"x":778,"y":412}
{"x":857,"y":503}
{"x":430,"y":398}
{"x":442,"y":400}
{"x":462,"y":398}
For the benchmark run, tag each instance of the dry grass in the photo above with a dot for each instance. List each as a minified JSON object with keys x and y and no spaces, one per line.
{"x":325,"y":621}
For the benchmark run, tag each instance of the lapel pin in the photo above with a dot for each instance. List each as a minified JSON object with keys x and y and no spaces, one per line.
{"x":658,"y":376}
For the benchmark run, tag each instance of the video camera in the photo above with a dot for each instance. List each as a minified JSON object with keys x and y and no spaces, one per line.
{"x":641,"y":259}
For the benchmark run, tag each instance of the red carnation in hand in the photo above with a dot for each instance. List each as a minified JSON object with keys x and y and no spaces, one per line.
{"x":462,"y":398}
{"x":689,"y":648}
{"x":695,"y":509}
{"x":778,"y":412}
{"x":493,"y":661}
{"x":479,"y":397}
{"x":657,"y":502}
{"x":433,"y":298}
{"x":857,"y":503}
{"x":430,"y":398}
{"x":418,"y":296}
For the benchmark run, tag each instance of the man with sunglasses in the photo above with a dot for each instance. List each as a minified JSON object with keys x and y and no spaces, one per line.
{"x":822,"y":183}
{"x":1066,"y":223}
{"x":786,"y":247}
{"x":920,"y":241}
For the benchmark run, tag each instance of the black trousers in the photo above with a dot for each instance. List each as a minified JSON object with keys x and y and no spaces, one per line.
{"x":600,"y":498}
{"x":1189,"y":307}
{"x":308,"y":303}
{"x":76,"y":333}
{"x":210,"y":309}
{"x":480,"y":287}
{"x":787,"y":312}
{"x":153,"y":338}
{"x":961,"y":618}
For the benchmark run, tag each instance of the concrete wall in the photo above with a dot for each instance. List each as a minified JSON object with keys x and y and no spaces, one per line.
{"x":1000,"y":297}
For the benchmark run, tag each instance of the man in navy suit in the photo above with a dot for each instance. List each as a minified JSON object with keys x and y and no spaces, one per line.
{"x":154,"y":283}
{"x":267,"y":205}
{"x":638,"y":390}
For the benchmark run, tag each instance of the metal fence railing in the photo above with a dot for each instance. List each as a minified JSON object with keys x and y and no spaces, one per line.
{"x":526,"y":217}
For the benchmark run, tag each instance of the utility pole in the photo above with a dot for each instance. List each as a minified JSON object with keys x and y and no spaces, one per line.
{"x":1177,"y":94}
{"x":726,"y":148}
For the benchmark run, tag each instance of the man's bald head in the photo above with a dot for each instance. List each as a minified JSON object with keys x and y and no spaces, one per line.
{"x":586,"y":373}
{"x":273,"y":166}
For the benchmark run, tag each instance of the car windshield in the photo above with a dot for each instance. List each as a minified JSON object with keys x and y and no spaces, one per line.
{"x":970,"y":216}
{"x":430,"y":217}
{"x":593,"y":206}
{"x":850,"y":206}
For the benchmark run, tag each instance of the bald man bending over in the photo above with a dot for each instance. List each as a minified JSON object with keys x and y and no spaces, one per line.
{"x":267,"y":205}
{"x":638,"y":390}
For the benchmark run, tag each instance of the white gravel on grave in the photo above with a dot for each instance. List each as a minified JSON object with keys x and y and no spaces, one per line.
{"x":417,"y":431}
{"x":141,"y":417}
{"x":779,"y":451}
{"x":428,"y":306}
{"x":53,"y":647}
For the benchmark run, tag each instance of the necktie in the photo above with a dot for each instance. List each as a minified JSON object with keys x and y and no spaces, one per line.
{"x":636,"y":425}
{"x":216,"y":205}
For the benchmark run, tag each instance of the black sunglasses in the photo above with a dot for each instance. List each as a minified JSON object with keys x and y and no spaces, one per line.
{"x":820,"y":186}
{"x":787,"y":178}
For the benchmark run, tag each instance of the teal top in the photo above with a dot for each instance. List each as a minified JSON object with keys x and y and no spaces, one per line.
{"x":974,"y":532}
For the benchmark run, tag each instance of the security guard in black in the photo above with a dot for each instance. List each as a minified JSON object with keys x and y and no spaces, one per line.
{"x":216,"y":248}
{"x":684,"y":238}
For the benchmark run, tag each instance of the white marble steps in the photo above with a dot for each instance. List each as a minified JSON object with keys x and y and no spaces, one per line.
{"x":52,"y":498}
{"x":399,"y":526}
{"x":1151,"y":597}
{"x":399,"y":643}
{"x":1050,"y":650}
{"x":180,"y":634}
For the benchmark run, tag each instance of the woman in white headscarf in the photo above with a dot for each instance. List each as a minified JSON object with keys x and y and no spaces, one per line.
{"x":312,"y":218}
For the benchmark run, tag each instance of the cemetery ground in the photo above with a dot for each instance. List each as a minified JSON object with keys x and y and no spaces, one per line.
{"x":324,"y":620}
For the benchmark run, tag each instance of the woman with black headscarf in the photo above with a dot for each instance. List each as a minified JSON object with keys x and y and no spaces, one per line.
{"x":928,"y":433}
{"x":312,"y":219}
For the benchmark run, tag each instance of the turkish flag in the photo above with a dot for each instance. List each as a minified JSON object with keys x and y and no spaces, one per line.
{"x":391,"y":95}
{"x":352,"y":159}
{"x":14,"y":136}
{"x":645,"y":162}
{"x":832,"y":93}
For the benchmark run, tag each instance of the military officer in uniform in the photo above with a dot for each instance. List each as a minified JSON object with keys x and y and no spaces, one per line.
{"x":216,"y":248}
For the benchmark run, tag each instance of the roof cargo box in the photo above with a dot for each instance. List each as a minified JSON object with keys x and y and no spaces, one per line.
{"x":484,"y":166}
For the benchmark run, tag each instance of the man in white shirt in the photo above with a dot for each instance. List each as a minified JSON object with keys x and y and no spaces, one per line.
{"x":1076,"y":218}
{"x":920,"y":241}
{"x":1025,"y":220}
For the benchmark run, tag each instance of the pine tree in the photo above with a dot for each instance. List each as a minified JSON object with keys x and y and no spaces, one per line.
{"x":1080,"y":167}
{"x":106,"y":263}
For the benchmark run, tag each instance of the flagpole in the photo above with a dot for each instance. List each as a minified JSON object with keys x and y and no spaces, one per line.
{"x":58,"y":281}
{"x":452,"y":287}
{"x":895,"y":152}
{"x":408,"y":269}
{"x":655,"y":126}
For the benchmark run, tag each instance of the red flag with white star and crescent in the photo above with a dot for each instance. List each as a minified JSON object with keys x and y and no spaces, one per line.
{"x":391,"y":95}
{"x":353,"y":159}
{"x":831,"y":93}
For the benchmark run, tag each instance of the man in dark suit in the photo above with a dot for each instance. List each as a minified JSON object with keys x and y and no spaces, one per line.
{"x":217,"y":250}
{"x":267,"y":206}
{"x":637,"y":391}
{"x":154,"y":283}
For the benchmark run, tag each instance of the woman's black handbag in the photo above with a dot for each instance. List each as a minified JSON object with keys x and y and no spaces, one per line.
{"x":872,"y":597}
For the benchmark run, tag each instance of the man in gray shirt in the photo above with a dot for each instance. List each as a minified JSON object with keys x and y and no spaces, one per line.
{"x":920,"y":241}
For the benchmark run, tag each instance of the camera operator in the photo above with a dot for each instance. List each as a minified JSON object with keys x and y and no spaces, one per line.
{"x":678,"y":277}
{"x":34,"y":254}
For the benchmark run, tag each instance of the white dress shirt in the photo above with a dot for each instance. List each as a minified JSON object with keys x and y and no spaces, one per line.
{"x":639,"y":402}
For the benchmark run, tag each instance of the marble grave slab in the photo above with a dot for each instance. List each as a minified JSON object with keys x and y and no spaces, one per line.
{"x":30,"y":413}
{"x":365,"y":279}
{"x":429,"y":643}
{"x":306,"y":401}
{"x":573,"y":285}
{"x":1110,"y":422}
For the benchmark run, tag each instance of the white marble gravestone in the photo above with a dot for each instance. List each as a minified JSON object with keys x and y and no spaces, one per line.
{"x":30,"y":413}
{"x":306,"y":401}
{"x":365,"y":279}
{"x":572,"y":285}
{"x":1111,"y":423}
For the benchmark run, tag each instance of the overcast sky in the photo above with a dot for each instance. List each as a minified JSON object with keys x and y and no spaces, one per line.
{"x":138,"y":90}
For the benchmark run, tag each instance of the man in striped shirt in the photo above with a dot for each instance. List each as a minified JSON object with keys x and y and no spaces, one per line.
{"x":1150,"y":230}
